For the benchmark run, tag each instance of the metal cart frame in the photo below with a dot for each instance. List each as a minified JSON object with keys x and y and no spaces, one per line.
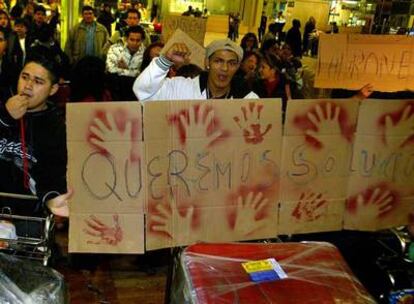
{"x":27,"y":246}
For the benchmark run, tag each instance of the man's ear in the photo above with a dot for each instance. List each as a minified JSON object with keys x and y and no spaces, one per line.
{"x":54,"y":89}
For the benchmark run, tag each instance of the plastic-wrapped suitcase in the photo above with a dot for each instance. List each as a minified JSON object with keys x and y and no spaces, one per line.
{"x":24,"y":281}
{"x":316,"y":273}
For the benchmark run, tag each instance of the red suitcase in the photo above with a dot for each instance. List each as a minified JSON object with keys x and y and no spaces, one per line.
{"x":316,"y":272}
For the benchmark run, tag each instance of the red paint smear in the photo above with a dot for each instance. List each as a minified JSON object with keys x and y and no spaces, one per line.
{"x":259,"y":110}
{"x":296,"y":213}
{"x":254,"y":135}
{"x":352,"y":205}
{"x":303,"y":123}
{"x":174,"y":119}
{"x":395,"y":117}
{"x":183,"y":206}
{"x":121,"y":117}
{"x":231,"y":208}
{"x":89,"y":135}
{"x":257,"y":137}
{"x":302,"y":208}
{"x":153,"y":211}
{"x":182,"y":210}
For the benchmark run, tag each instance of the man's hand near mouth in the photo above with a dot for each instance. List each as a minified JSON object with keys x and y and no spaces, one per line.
{"x":17,"y":105}
{"x":27,"y":94}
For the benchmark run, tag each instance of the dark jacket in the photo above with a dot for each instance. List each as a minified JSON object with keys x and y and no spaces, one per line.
{"x":37,"y":32}
{"x":106,"y":19}
{"x":8,"y":76}
{"x":259,"y":87}
{"x":45,"y":139}
{"x":294,"y":40}
{"x":309,"y":27}
{"x":15,"y":58}
{"x":14,"y":50}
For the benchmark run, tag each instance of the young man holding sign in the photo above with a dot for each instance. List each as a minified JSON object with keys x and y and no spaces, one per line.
{"x":223,"y":59}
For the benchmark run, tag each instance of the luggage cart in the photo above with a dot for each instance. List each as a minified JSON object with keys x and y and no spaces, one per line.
{"x":34,"y":235}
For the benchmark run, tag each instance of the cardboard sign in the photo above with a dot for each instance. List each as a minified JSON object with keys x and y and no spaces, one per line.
{"x":194,"y":27}
{"x":381,"y":187}
{"x":105,"y":158}
{"x":317,"y":149}
{"x":212,"y":170}
{"x":198,"y":53}
{"x":216,"y":170}
{"x":351,"y":61}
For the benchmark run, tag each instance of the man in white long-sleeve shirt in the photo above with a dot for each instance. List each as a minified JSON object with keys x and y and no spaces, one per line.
{"x":123,"y":63}
{"x":223,"y":58}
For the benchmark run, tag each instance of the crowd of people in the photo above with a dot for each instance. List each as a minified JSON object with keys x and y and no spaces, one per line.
{"x":191,"y":12}
{"x":124,"y":65}
{"x":98,"y":64}
{"x":34,"y":68}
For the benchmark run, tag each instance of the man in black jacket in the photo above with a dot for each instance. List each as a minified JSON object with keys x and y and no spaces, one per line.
{"x":33,"y":143}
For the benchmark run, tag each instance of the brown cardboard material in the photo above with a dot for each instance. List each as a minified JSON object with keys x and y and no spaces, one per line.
{"x":351,"y":61}
{"x":198,"y":53}
{"x":380,"y":190}
{"x":367,"y":218}
{"x":317,"y":151}
{"x":105,"y":158}
{"x":309,"y":214}
{"x":194,"y":27}
{"x":106,"y":233}
{"x":220,"y":170}
{"x":204,"y":183}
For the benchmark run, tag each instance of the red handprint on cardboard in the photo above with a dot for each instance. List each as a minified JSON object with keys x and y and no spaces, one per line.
{"x":311,"y":206}
{"x":198,"y":122}
{"x":250,"y":124}
{"x":325,"y":119}
{"x":398,"y":127}
{"x":373,"y":203}
{"x":104,"y":234}
{"x":168,"y":220}
{"x":247,"y":211}
{"x":108,"y":128}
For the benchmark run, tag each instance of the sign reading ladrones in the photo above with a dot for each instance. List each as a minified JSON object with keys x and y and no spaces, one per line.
{"x":352,"y":61}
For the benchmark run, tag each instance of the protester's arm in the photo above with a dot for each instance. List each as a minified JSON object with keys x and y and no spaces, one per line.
{"x":151,"y":83}
{"x":151,"y":80}
{"x":12,"y":110}
{"x":6,"y":120}
{"x":59,"y":205}
{"x":364,"y":92}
